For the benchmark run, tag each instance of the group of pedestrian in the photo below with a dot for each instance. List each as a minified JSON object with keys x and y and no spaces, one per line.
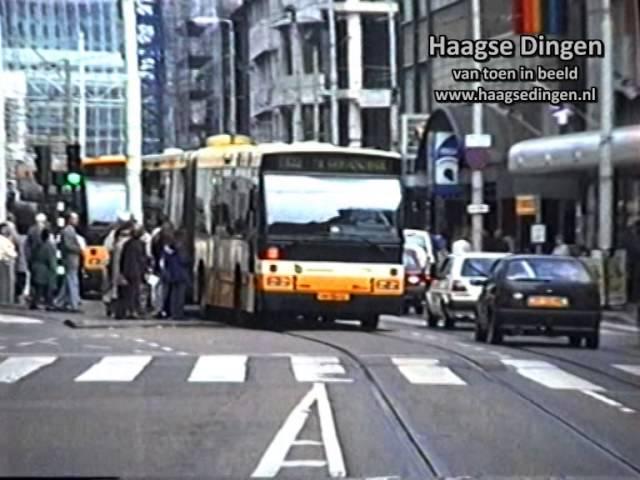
{"x":140,"y":262}
{"x":34,"y":256}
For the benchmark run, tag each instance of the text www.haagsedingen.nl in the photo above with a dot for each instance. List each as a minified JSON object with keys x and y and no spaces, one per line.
{"x":509,"y":97}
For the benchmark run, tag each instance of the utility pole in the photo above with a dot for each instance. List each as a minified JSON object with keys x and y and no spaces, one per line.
{"x":333,"y":74}
{"x":232,"y":76}
{"x":316,"y":99}
{"x":82,"y":104}
{"x":605,"y":170}
{"x":296,"y":47}
{"x":68,"y":92}
{"x":134,"y":111}
{"x":3,"y":159}
{"x":393,"y":71}
{"x":477,"y":180}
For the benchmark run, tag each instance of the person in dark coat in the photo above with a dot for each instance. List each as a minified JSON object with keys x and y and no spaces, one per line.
{"x":43,"y":271}
{"x":175,"y":275}
{"x":133,"y":267}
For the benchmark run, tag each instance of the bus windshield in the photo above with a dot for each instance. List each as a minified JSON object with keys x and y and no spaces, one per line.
{"x":105,"y":198}
{"x":323,"y":204}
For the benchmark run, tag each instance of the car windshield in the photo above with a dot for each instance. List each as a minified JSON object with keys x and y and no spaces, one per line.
{"x":105,"y":198}
{"x":548,"y":269}
{"x":417,"y":240}
{"x":477,"y":267}
{"x":410,"y":259}
{"x":319,"y":204}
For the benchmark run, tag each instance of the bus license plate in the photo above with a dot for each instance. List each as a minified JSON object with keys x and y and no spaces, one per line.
{"x":548,"y":302}
{"x":333,"y":297}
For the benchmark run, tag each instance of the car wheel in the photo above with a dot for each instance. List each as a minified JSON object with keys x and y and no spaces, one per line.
{"x":479,"y":333}
{"x":575,"y":341}
{"x":370,"y":323}
{"x":449,"y":321}
{"x":419,"y":308}
{"x":494,"y":335}
{"x":593,"y":340}
{"x":432,"y":320}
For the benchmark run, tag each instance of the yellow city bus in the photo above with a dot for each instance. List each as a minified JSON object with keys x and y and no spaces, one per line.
{"x":104,"y":195}
{"x":282,"y":230}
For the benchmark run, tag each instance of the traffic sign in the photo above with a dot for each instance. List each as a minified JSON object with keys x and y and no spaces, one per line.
{"x":477,"y":140}
{"x":477,"y":158}
{"x":538,"y":233}
{"x":526,"y":205}
{"x":475,"y":209}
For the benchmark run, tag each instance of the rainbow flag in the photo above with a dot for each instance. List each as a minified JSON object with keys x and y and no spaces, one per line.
{"x":534,"y":17}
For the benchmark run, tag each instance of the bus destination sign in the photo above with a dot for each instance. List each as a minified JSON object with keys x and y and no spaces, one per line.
{"x":334,"y":164}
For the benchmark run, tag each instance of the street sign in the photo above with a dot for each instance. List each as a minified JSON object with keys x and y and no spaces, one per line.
{"x":477,"y":140}
{"x":477,"y":158}
{"x":526,"y":205}
{"x":474,"y":209}
{"x":538,"y":233}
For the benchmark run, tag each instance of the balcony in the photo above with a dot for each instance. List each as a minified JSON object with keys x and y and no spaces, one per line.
{"x":262,"y":39}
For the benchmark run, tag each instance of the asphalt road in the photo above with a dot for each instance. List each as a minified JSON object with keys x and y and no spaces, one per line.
{"x":406,"y":402}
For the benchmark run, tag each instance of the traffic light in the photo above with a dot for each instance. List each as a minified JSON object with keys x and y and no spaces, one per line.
{"x":74,"y":177}
{"x":43,"y":165}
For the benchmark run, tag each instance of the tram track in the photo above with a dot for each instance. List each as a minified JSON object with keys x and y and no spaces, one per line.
{"x":386,"y":403}
{"x":476,"y":365}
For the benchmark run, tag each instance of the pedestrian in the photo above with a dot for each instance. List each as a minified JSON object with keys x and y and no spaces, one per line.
{"x":34,"y":237}
{"x":161,"y":237}
{"x":497,"y":243}
{"x":43,"y":268}
{"x":8,"y":256}
{"x":71,"y":250}
{"x":21,"y":267}
{"x":561,"y":248}
{"x":175,"y":273}
{"x":461,"y":246}
{"x":133,"y":267}
{"x":118,"y":294}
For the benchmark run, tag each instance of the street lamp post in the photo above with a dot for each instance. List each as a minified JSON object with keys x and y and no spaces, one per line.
{"x":209,"y":21}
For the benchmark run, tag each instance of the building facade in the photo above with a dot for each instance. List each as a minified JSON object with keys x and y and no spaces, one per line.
{"x":319,"y":70}
{"x":69,"y":53}
{"x":422,"y":76}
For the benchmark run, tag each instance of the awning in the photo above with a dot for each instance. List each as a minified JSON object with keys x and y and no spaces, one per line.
{"x":578,"y":151}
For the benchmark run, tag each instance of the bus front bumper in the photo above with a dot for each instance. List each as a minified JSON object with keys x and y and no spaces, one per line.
{"x":307,"y":304}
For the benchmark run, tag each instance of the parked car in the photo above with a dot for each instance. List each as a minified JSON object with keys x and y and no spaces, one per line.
{"x":540,"y":295}
{"x":416,"y":281}
{"x":454,"y":292}
{"x":421,"y":240}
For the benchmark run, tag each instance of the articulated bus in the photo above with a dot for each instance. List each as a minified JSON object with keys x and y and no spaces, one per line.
{"x":103,"y":195}
{"x":281,"y":230}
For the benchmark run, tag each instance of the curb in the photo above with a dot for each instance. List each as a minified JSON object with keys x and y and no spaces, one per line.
{"x":81,"y":324}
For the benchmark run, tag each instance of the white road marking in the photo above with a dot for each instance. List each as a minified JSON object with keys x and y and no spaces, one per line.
{"x":632,"y":369}
{"x":97,"y":347}
{"x":220,"y":368}
{"x":154,"y":345}
{"x":304,"y":463}
{"x":15,"y":368}
{"x":19,"y":320}
{"x":115,"y":368}
{"x":313,"y":443}
{"x":426,"y":371}
{"x":622,"y":328}
{"x":318,"y":369}
{"x":140,"y":340}
{"x":167,"y":349}
{"x":404,"y":321}
{"x":274,"y":457}
{"x":182,"y":354}
{"x":550,"y":376}
{"x":608,"y":401}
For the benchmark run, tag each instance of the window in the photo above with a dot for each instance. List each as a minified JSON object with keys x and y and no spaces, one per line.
{"x":477,"y":267}
{"x":545,"y":270}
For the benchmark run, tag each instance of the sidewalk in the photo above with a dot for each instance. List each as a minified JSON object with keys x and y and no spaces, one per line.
{"x":626,"y":315}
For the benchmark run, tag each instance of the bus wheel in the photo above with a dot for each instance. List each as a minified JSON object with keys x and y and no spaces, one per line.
{"x":370,"y":322}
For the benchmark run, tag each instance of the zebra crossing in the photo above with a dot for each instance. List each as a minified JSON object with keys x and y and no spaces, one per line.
{"x":234,"y":369}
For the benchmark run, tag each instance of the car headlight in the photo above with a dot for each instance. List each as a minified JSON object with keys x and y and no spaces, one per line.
{"x":413,"y":279}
